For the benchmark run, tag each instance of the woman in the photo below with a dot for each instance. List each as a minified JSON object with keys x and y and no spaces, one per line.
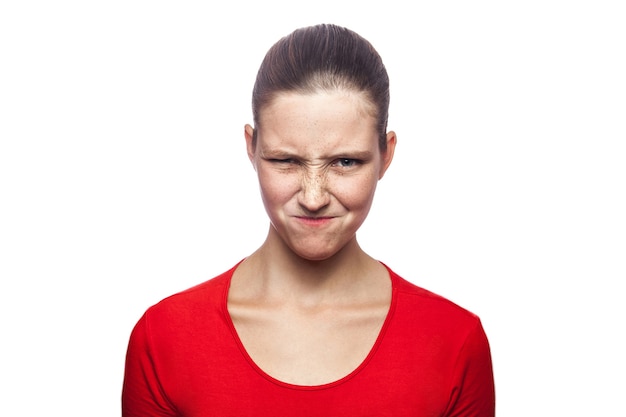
{"x":309,"y":324}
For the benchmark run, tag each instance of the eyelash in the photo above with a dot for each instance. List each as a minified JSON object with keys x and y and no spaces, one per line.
{"x":283,"y":161}
{"x":348,"y":161}
{"x":339,"y":162}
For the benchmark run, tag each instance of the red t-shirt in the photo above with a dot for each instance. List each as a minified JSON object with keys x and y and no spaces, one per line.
{"x":184,"y":358}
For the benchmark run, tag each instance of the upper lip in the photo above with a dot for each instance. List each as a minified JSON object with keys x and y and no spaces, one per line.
{"x":314,"y":217}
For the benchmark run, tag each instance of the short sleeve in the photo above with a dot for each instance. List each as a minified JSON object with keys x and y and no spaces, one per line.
{"x":142,"y":394}
{"x":473,"y":393}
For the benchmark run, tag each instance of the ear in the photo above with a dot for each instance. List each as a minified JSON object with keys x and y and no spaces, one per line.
{"x":387,"y":155}
{"x":250,"y":145}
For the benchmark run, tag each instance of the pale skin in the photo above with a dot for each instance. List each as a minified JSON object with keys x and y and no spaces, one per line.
{"x":309,"y":304}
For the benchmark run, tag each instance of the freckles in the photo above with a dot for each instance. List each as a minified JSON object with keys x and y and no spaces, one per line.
{"x":357,"y":192}
{"x":277,"y":187}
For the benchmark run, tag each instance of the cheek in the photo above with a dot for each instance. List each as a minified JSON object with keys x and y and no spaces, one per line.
{"x":356,"y":192}
{"x":276,"y":189}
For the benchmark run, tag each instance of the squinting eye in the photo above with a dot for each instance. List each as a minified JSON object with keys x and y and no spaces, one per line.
{"x":282,"y":161}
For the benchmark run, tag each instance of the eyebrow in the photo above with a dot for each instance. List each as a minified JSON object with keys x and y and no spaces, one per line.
{"x":275,"y":154}
{"x":280,"y":154}
{"x":362,"y":155}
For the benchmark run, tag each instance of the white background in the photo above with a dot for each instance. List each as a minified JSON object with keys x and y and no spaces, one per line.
{"x":123,"y":179}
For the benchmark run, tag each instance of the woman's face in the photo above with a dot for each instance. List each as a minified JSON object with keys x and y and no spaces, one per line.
{"x":318,"y":160}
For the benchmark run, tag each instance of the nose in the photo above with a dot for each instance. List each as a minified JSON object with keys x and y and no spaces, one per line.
{"x":313,"y":195}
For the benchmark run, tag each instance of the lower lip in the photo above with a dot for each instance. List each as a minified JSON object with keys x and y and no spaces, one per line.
{"x":314,"y":221}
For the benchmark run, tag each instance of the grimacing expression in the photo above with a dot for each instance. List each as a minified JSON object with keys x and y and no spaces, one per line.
{"x":318,"y":162}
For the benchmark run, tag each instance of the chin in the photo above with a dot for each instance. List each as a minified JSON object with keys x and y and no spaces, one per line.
{"x":321,"y":254}
{"x":315,"y":258}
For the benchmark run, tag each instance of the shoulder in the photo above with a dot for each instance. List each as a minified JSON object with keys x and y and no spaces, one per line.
{"x":422,"y":306}
{"x":423,"y":321}
{"x":199,"y":302}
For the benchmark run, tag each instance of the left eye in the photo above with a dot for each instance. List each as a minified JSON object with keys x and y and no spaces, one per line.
{"x":346,"y":162}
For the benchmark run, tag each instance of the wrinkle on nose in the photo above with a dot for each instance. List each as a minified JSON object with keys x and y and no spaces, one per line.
{"x":313,"y":193}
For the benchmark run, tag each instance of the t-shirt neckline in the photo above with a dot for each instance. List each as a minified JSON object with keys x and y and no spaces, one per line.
{"x":340,"y":381}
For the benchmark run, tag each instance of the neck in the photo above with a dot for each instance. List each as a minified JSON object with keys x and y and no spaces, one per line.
{"x":280,"y":274}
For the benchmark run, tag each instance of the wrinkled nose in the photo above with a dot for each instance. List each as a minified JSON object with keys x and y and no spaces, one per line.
{"x":313,"y":194}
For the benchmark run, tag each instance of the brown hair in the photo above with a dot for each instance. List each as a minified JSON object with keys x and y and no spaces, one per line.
{"x":323,"y":57}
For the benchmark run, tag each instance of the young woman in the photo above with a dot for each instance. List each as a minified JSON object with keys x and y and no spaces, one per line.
{"x":309,"y":324}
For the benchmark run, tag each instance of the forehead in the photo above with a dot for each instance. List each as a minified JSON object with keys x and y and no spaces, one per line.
{"x":320,"y":121}
{"x":358,"y":102}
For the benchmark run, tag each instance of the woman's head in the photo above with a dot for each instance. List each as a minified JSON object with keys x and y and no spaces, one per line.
{"x":324,"y":58}
{"x":320,"y":144}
